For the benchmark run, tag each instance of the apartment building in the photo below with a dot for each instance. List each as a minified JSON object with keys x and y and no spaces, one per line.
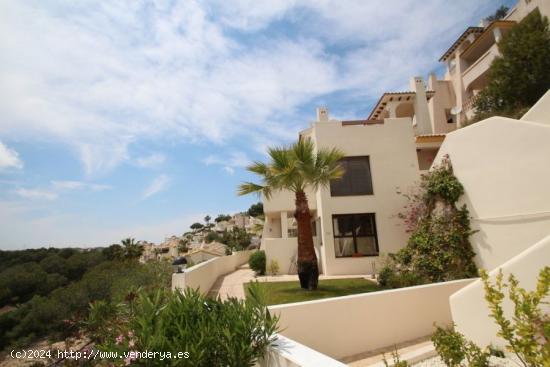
{"x":467,"y":62}
{"x":355,"y":219}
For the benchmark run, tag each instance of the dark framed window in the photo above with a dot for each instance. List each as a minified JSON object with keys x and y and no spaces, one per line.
{"x":355,"y":235}
{"x":357,"y":178}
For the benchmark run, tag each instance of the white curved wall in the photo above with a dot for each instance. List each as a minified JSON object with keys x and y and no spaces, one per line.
{"x":504,"y":167}
{"x":202,"y":276}
{"x":469,"y":308}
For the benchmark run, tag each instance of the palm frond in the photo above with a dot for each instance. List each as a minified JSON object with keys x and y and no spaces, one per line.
{"x":247,"y":188}
{"x":327,"y":167}
{"x":258,"y":168}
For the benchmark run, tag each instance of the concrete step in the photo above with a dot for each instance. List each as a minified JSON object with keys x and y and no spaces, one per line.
{"x":412,"y":352}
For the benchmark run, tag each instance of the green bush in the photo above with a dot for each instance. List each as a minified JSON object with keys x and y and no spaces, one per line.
{"x":397,"y":362}
{"x":231,"y":333}
{"x":389,"y":277}
{"x":257,"y":262}
{"x":274,"y":267}
{"x":454,"y":349}
{"x":528,"y":333}
{"x":439,"y":248}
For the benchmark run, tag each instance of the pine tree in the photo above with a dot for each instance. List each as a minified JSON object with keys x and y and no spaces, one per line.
{"x":521,"y":75}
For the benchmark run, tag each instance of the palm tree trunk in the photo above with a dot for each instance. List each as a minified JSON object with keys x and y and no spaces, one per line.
{"x":308,"y":270}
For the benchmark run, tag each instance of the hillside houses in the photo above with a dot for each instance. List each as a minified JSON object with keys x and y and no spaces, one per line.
{"x":203,"y":243}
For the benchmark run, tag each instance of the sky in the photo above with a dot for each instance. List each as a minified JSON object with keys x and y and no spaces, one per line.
{"x":136,"y":118}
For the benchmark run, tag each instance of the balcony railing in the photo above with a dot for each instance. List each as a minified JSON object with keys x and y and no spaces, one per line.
{"x":480,"y":66}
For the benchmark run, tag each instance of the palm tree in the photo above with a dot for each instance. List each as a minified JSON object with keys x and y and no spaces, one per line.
{"x":132,"y":250}
{"x":296,"y":168}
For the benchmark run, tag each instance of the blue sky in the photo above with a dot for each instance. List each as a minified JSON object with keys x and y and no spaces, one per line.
{"x":136,"y":118}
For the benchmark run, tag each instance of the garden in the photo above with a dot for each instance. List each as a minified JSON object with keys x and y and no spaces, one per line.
{"x":289,"y":292}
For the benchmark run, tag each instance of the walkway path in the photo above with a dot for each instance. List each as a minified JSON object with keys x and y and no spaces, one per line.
{"x":232,"y":284}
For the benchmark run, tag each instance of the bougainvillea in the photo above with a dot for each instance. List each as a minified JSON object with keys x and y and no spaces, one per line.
{"x":438,"y":248}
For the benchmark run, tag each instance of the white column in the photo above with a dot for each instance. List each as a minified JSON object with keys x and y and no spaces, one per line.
{"x":422,"y":115}
{"x":284,"y":225}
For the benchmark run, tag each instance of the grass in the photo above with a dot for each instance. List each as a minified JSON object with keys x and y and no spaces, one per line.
{"x":288,"y":292}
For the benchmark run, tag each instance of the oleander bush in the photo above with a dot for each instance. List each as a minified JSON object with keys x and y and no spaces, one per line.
{"x":230,"y":333}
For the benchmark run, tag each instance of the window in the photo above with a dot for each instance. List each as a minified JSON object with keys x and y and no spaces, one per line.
{"x":355,"y":235}
{"x":356,"y":180}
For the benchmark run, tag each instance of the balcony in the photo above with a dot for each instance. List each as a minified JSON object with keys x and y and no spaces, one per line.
{"x":284,"y":201}
{"x":474,"y":77}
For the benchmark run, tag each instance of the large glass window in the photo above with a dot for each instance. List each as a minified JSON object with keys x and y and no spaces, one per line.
{"x":356,"y":180}
{"x":355,"y":235}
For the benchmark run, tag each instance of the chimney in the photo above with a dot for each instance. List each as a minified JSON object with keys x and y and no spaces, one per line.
{"x":322,"y":114}
{"x":422,"y":115}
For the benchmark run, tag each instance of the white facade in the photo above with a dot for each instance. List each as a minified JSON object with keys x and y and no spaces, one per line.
{"x":391,"y":150}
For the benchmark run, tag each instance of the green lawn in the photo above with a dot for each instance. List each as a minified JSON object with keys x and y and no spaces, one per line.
{"x":288,"y":292}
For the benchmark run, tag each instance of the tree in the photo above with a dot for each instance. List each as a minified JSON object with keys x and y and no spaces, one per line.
{"x":499,"y":14}
{"x":521,"y":75}
{"x":183,"y":245}
{"x":113,"y":252}
{"x":211,"y":237}
{"x":131,"y":249}
{"x":222,"y":218}
{"x":256,"y":210}
{"x":207,"y":219}
{"x":297,"y":168}
{"x":237,"y":239}
{"x":196,"y":226}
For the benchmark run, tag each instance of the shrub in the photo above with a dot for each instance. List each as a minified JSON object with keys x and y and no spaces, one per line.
{"x":237,"y":239}
{"x":528,"y":333}
{"x":397,"y":362}
{"x":231,"y":333}
{"x":257,"y":262}
{"x":273,"y":267}
{"x":391,"y":278}
{"x":453,"y":349}
{"x":438,"y":248}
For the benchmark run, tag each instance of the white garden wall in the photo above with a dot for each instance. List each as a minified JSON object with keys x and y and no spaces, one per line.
{"x":288,"y":353}
{"x":469,"y":308}
{"x":202,"y":276}
{"x":351,"y":325}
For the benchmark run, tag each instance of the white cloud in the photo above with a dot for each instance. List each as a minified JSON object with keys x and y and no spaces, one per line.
{"x":229,"y":162}
{"x":159,"y":184}
{"x":77,"y":185}
{"x":126,"y":72}
{"x":36,"y":194}
{"x":152,"y":160}
{"x":9,"y":158}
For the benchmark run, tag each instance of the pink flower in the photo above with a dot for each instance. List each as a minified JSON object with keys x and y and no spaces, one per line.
{"x":131,"y":343}
{"x":119,"y":339}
